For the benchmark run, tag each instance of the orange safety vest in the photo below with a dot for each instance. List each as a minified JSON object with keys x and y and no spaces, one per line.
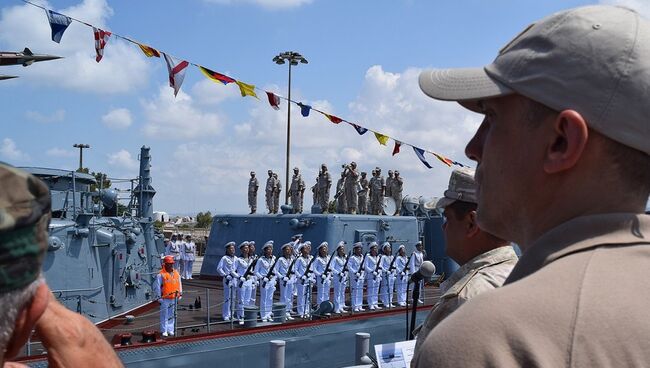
{"x":171,"y":283}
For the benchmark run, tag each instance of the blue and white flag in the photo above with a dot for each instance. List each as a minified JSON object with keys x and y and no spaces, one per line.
{"x":59,"y":23}
{"x":304,"y":109}
{"x":420,"y":153}
{"x":361,"y":130}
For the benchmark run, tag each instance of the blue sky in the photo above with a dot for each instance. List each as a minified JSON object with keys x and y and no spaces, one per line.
{"x":364,"y":58}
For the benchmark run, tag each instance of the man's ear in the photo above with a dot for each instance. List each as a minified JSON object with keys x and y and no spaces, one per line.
{"x":27,"y":318}
{"x":568,"y":141}
{"x":472,"y":226}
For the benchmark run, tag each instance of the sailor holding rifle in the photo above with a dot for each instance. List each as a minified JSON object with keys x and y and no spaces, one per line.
{"x":228,"y":271}
{"x":264,"y":270}
{"x":357,"y":277}
{"x":339,"y":275}
{"x":322,"y":273}
{"x":303,"y":280}
{"x":402,"y":266}
{"x":286,"y":278}
{"x":243,"y":285}
{"x":373,"y":276}
{"x":387,"y":268}
{"x":415,"y":262}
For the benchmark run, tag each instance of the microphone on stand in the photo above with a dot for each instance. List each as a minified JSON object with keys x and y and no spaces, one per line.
{"x":427,"y":269}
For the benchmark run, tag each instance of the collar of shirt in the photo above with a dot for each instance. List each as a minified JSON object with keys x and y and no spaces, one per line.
{"x":579,"y":234}
{"x":489,"y":258}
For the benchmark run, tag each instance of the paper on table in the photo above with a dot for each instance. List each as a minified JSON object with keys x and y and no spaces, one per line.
{"x":395,"y":355}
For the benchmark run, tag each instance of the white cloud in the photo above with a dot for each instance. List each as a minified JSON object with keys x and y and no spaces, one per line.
{"x":123,"y":160}
{"x":10,"y":152}
{"x":59,"y":152}
{"x":178,"y":118}
{"x":269,"y":4}
{"x":122,"y":69}
{"x":208,"y":92}
{"x":641,"y":6}
{"x":117,"y":118}
{"x":55,"y":117}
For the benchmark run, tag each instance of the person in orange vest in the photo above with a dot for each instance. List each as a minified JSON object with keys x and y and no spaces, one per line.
{"x":167,"y":288}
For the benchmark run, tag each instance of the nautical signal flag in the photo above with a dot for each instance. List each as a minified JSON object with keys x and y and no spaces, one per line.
{"x":420,"y":153}
{"x":101,"y":37}
{"x":148,"y":50}
{"x":246,"y":89}
{"x":361,"y":130}
{"x":59,"y":23}
{"x":334,"y":119}
{"x":444,"y":160}
{"x":176,"y":69}
{"x":274,"y":100}
{"x":396,"y":147}
{"x":383,"y":139}
{"x":304,"y":109}
{"x":217,"y":77}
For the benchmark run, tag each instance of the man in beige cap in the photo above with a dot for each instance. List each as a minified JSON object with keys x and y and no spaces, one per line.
{"x":486,"y":259}
{"x":564,"y":171}
{"x":27,"y":303}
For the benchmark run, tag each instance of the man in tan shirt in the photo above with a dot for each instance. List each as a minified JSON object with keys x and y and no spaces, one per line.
{"x":564,"y":171}
{"x":486,"y":260}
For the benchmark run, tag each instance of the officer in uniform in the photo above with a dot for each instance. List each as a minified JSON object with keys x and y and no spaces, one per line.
{"x":296,"y":190}
{"x":396,"y":191}
{"x":341,"y":204}
{"x":168,"y":289}
{"x":357,"y":277}
{"x":373,"y":276}
{"x":276,"y":193}
{"x":387,"y":267}
{"x":269,"y":190}
{"x":253,"y":185}
{"x":286,"y":277}
{"x":340,"y":278}
{"x":363,"y":194}
{"x":402,"y":276}
{"x":189,"y":254}
{"x":264,"y":270}
{"x":323,"y":279}
{"x":228,"y":271}
{"x":414,"y":266}
{"x":351,"y":187}
{"x":324,"y":185}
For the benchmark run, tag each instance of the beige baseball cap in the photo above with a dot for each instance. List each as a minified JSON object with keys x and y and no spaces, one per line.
{"x":592,"y":59}
{"x":462,"y":187}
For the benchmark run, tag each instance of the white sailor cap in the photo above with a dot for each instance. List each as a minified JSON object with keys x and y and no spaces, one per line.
{"x":231,"y":243}
{"x":357,"y":245}
{"x":401,"y":246}
{"x":268,"y":244}
{"x":243,"y":244}
{"x":251,"y":242}
{"x":287,"y":245}
{"x":385,"y":245}
{"x":418,"y":243}
{"x":323,"y":244}
{"x":306,"y":243}
{"x":300,"y":246}
{"x":341,"y":244}
{"x":373,"y":245}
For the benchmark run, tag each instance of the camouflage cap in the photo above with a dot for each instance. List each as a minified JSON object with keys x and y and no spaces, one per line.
{"x":24,"y":219}
{"x":462,"y":187}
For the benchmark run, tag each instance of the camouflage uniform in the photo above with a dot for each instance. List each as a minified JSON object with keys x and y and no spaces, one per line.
{"x":351,"y":182}
{"x":24,"y":219}
{"x":340,"y":191}
{"x":269,"y":190}
{"x":296,"y":191}
{"x":324,"y":185}
{"x":276,"y":193}
{"x":363,"y":195}
{"x":376,"y":194}
{"x":253,"y":185}
{"x":389,"y":184}
{"x":397,"y":185}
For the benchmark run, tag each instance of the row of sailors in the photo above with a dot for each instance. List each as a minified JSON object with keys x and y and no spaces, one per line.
{"x":184,"y":253}
{"x":382,"y":273}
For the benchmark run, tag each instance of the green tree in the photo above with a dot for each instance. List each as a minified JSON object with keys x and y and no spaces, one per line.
{"x":204,"y":220}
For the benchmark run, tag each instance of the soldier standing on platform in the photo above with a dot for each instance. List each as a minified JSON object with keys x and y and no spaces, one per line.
{"x":389,"y":184}
{"x":296,"y":190}
{"x":267,"y":284}
{"x":276,"y":193}
{"x":340,"y":194}
{"x":378,"y":188}
{"x":357,"y":277}
{"x":363,"y":195}
{"x":339,"y":275}
{"x":269,"y":191}
{"x":314,"y":191}
{"x":253,"y":185}
{"x":396,"y":191}
{"x":324,"y":185}
{"x":168,"y":289}
{"x":227,"y":270}
{"x":351,"y":187}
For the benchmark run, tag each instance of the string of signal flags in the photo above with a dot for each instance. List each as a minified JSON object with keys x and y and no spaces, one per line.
{"x":177,"y":67}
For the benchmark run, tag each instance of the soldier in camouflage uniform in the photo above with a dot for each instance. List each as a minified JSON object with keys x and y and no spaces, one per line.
{"x":296,"y":190}
{"x":363,"y":195}
{"x":397,"y":186}
{"x":351,"y":183}
{"x":253,"y":185}
{"x":324,"y":185}
{"x":276,"y":193}
{"x":27,"y":303}
{"x":340,"y":195}
{"x":377,"y":193}
{"x":269,"y":190}
{"x":389,"y":184}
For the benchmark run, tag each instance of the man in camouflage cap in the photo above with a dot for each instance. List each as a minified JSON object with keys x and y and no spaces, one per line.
{"x":27,"y":303}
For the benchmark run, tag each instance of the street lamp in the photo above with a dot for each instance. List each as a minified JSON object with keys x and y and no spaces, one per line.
{"x":293,"y":58}
{"x":81,"y":147}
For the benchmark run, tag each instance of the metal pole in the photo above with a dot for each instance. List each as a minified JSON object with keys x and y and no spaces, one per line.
{"x":207,"y":309}
{"x":276,"y":358}
{"x":81,"y":157}
{"x":286,"y":174}
{"x":175,"y":314}
{"x":362,"y":347}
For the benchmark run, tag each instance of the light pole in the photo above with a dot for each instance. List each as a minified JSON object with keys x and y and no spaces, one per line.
{"x":81,"y":147}
{"x":293,"y":58}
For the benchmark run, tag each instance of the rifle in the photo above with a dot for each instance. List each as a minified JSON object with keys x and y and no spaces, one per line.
{"x":345,"y":266}
{"x":290,"y":270}
{"x":407,"y":263}
{"x":268,"y":274}
{"x":378,"y":264}
{"x":363,"y":259}
{"x":392,"y":264}
{"x":307,"y":272}
{"x":248,"y":272}
{"x":329,"y":262}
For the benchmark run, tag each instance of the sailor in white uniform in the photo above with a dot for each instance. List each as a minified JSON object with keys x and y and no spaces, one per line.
{"x":339,"y":277}
{"x":402,"y":276}
{"x":286,"y":277}
{"x":264,"y":270}
{"x":304,"y":280}
{"x":387,"y":266}
{"x":373,"y":277}
{"x":416,"y":261}
{"x":254,"y":282}
{"x":226,"y":269}
{"x":322,"y":273}
{"x":243,"y":284}
{"x":357,"y":277}
{"x":189,"y":254}
{"x":174,"y":250}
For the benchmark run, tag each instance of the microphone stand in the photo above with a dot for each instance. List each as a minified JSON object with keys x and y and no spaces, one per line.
{"x":408,"y":335}
{"x":416,"y":296}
